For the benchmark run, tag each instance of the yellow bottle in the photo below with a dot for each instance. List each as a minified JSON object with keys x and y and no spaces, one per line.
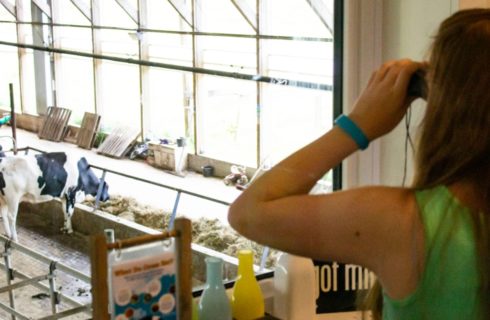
{"x":247,"y":301}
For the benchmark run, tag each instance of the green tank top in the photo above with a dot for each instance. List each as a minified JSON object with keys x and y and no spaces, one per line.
{"x":449,"y":287}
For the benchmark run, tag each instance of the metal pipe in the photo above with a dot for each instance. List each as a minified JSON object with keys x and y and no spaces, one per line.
{"x":43,"y":287}
{"x":52,"y":288}
{"x":234,"y":75}
{"x":67,"y":313}
{"x":161,"y":185}
{"x":13,"y":121}
{"x":174,"y":211}
{"x":13,"y":312}
{"x":9,"y":273}
{"x":99,"y":190}
{"x":46,"y":260}
{"x":23,"y":283}
{"x":190,"y":33}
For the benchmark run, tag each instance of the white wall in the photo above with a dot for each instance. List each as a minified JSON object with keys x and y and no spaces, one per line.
{"x":407,"y":30}
{"x":377,"y":31}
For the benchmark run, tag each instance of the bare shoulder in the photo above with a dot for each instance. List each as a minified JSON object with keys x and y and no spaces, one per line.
{"x":367,"y":226}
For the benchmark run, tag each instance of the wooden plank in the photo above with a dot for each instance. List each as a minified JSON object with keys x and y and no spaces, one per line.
{"x":61,"y":124}
{"x":55,"y":124}
{"x":118,"y":141}
{"x":88,"y":130}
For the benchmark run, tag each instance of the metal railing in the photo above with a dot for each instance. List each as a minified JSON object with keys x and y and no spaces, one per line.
{"x":50,"y":276}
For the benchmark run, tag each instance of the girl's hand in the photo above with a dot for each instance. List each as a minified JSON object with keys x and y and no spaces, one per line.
{"x":384,"y":101}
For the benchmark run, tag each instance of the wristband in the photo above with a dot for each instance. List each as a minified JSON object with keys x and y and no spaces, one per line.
{"x":349,"y":127}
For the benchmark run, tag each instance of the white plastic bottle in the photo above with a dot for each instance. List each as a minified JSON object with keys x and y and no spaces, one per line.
{"x":294,"y":288}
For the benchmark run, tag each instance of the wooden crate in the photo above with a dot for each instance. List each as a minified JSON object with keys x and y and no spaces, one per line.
{"x":168,"y":157}
{"x":88,"y":130}
{"x":118,"y":142}
{"x":54,"y":124}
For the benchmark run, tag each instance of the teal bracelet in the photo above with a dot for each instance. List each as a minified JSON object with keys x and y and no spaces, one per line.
{"x":353,"y":131}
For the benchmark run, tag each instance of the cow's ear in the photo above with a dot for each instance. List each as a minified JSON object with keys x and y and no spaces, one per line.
{"x":82,"y":164}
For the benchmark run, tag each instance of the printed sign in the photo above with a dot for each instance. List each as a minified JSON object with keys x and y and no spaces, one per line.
{"x":144,"y":288}
{"x":339,"y":284}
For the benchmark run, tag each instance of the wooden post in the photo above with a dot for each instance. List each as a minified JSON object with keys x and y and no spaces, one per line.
{"x":100,"y":292}
{"x":184,"y":268}
{"x":13,"y":123}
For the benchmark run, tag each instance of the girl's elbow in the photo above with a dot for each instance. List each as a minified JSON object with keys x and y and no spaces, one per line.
{"x":235,"y":217}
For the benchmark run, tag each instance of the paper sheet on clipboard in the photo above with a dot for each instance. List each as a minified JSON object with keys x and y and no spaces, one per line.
{"x":144,"y":288}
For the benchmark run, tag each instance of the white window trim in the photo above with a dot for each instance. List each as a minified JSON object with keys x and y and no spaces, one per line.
{"x":363,"y":45}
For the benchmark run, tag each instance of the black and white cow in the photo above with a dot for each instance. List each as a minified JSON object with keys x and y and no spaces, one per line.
{"x":43,"y":177}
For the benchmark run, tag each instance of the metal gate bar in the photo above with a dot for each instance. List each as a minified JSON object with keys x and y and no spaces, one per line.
{"x":36,"y":281}
{"x":42,"y":287}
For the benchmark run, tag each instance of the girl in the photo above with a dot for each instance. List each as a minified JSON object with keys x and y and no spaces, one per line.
{"x":428,"y":244}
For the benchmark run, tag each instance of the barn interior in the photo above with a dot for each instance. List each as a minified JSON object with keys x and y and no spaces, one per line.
{"x":178,"y":105}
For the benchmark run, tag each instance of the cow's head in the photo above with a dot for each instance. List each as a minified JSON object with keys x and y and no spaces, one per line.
{"x":88,"y":181}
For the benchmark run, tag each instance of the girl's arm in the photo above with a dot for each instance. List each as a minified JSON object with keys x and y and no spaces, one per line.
{"x":357,"y":226}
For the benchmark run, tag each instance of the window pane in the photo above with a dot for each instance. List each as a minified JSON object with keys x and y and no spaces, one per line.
{"x":119,"y":89}
{"x":296,"y":18}
{"x":161,"y":15}
{"x":76,"y":39}
{"x":118,"y":43}
{"x":68,"y":13}
{"x":111,"y":14}
{"x":227,"y":119}
{"x":75,"y":86}
{"x":9,"y":64}
{"x":291,"y":118}
{"x":299,"y":60}
{"x":170,"y":48}
{"x":167,"y":103}
{"x":228,"y":54}
{"x":28,"y":83}
{"x":222,"y":16}
{"x":5,"y":15}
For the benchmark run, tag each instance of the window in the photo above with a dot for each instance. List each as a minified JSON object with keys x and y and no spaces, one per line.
{"x":245,"y":82}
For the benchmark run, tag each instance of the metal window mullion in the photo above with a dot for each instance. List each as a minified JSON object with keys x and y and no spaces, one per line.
{"x":338,"y":40}
{"x":19,"y":14}
{"x":259,"y":62}
{"x":196,"y":61}
{"x":96,"y":49}
{"x":143,"y":52}
{"x":262,"y":67}
{"x":53,"y":56}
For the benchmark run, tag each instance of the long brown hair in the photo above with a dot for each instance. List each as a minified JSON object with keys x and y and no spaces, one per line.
{"x":454,"y":142}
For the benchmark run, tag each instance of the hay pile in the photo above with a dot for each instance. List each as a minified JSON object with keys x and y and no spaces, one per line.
{"x":210,"y":233}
